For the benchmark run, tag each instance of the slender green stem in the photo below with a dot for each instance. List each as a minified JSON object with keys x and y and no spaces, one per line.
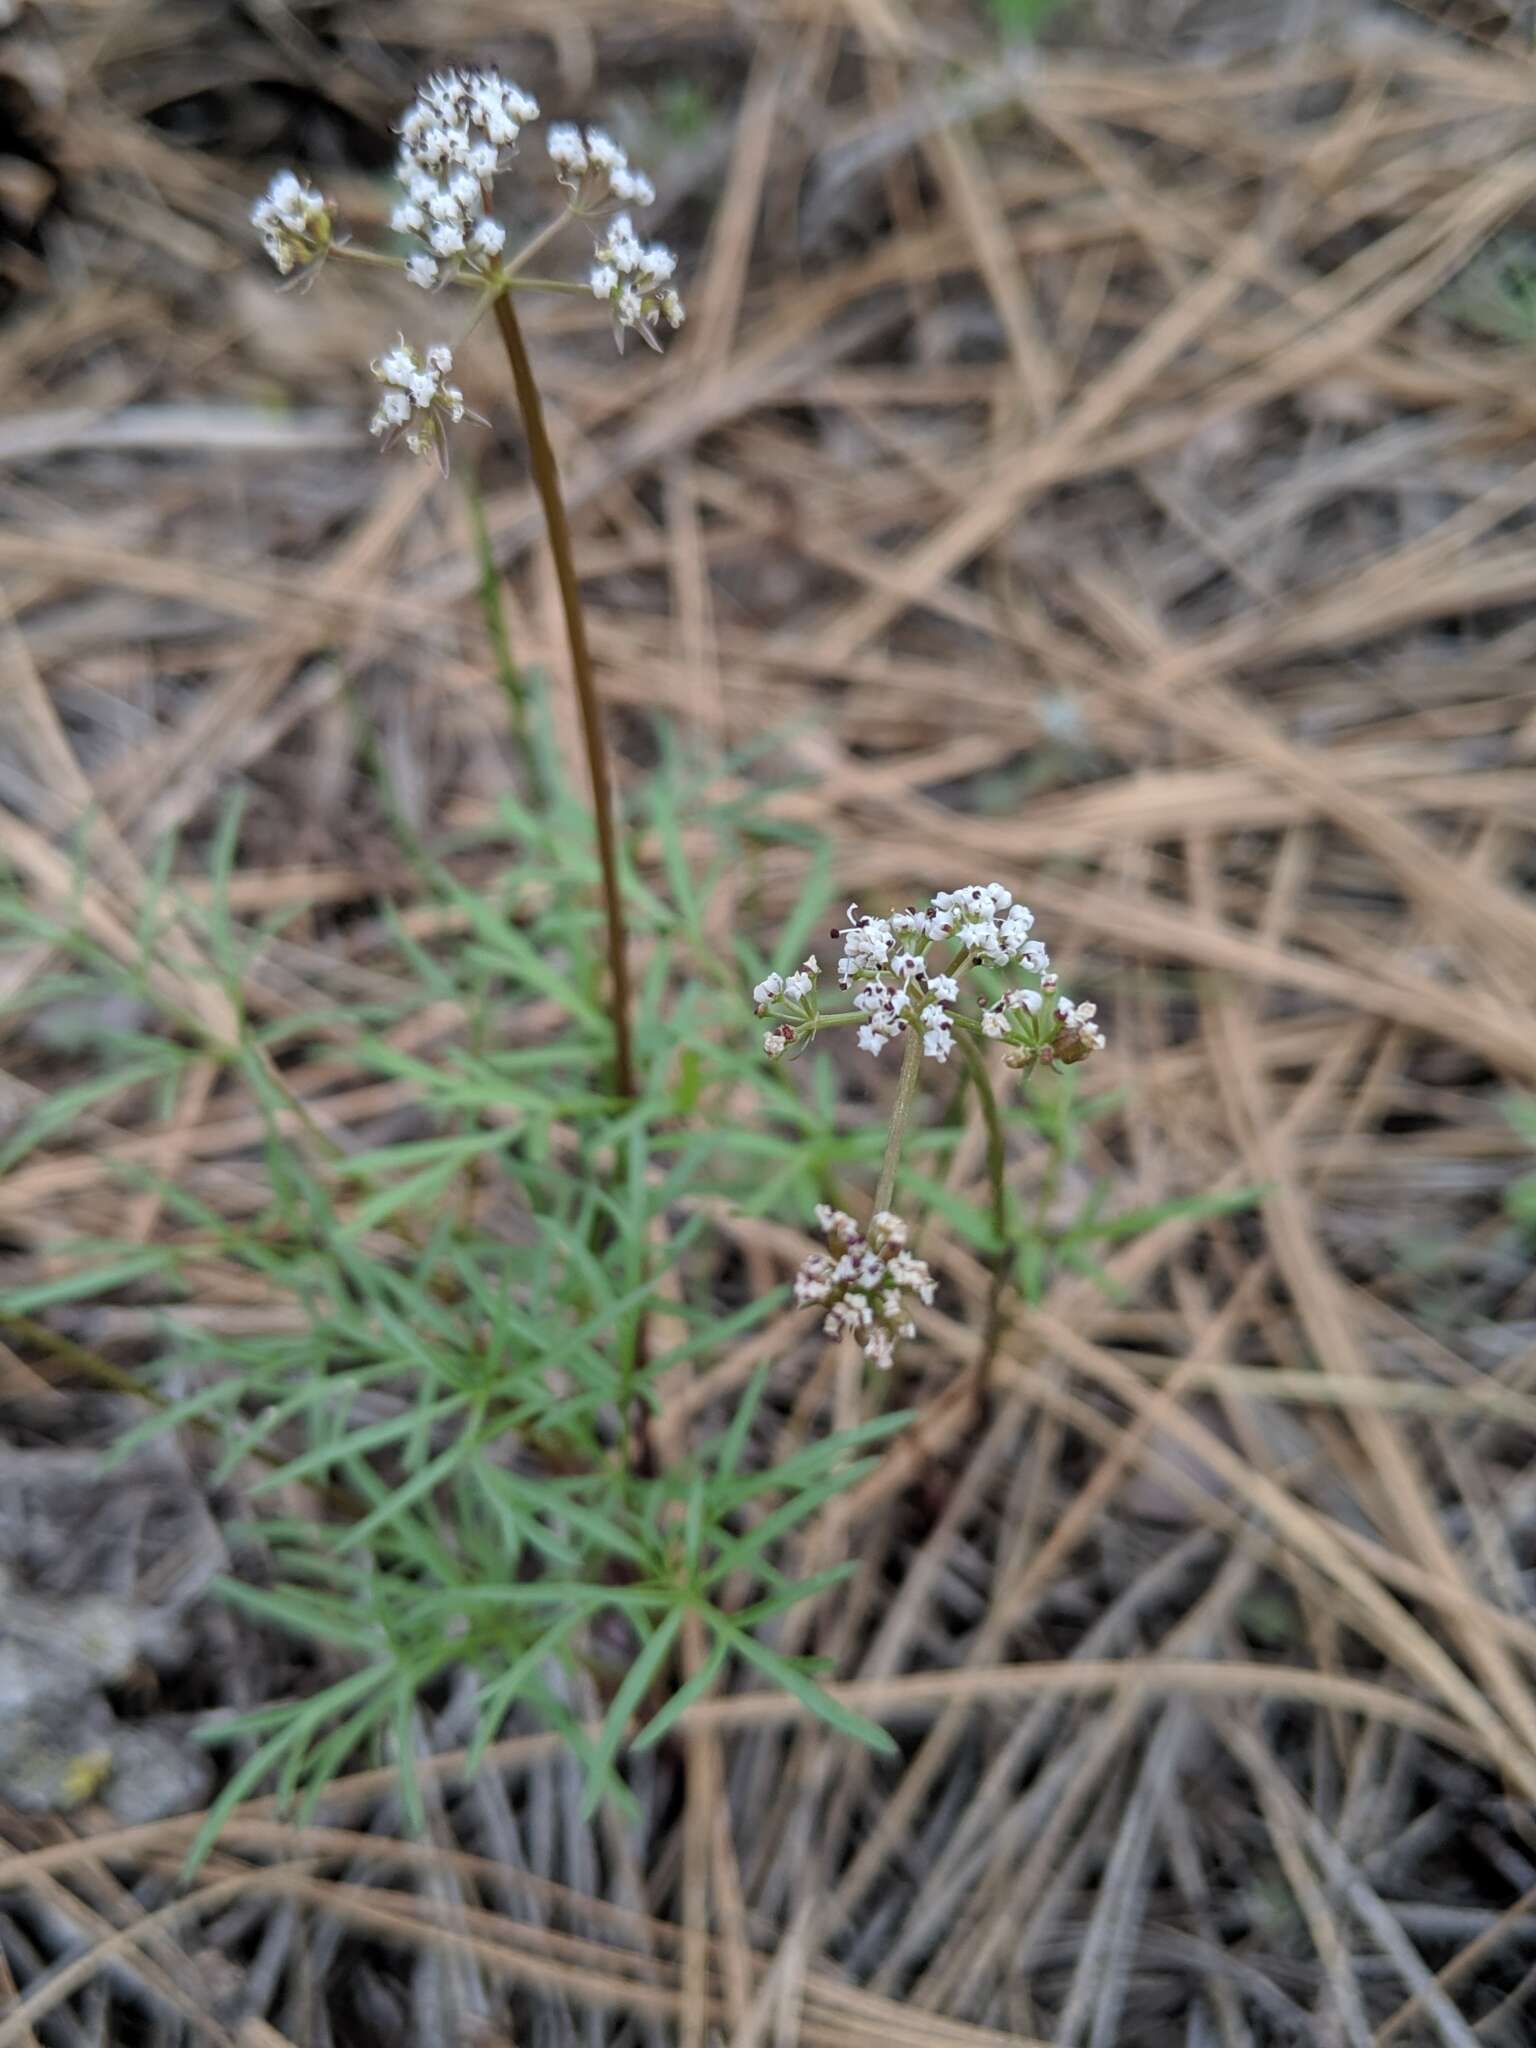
{"x":350,"y":253}
{"x":535,"y":243}
{"x":546,"y":477}
{"x":992,"y":1117}
{"x":507,"y":672}
{"x":901,"y":1115}
{"x":998,"y":1258}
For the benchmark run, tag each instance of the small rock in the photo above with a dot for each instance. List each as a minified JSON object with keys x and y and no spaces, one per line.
{"x":155,"y":1773}
{"x":54,"y":1761}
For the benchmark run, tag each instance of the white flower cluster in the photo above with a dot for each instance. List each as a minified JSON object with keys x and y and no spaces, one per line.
{"x":866,"y":1283}
{"x":906,"y":972}
{"x":886,"y":961}
{"x":632,"y":278}
{"x":998,"y":1021}
{"x":794,"y":993}
{"x":418,"y":401}
{"x":1058,"y":1035}
{"x":594,"y":169}
{"x":293,"y":221}
{"x":454,"y":138}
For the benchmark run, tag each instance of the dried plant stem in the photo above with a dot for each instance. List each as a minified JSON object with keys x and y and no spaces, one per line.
{"x":901,"y":1114}
{"x":546,"y":477}
{"x":639,"y":1451}
{"x":997,"y":1258}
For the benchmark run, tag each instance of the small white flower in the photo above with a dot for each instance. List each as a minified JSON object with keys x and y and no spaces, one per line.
{"x":813,"y":1282}
{"x":459,"y":115}
{"x":624,"y":243}
{"x":419,"y":403}
{"x":871,"y":1040}
{"x":775,"y":1043}
{"x":293,"y":221}
{"x":944,"y":988}
{"x":767,"y":990}
{"x":596,"y":170}
{"x":489,"y":238}
{"x":912,"y":1275}
{"x":564,"y":145}
{"x":1023,"y":999}
{"x":394,"y":409}
{"x":865,"y":1284}
{"x":994,"y":1024}
{"x":634,"y":282}
{"x":797,"y":987}
{"x":422,"y":270}
{"x":447,"y":239}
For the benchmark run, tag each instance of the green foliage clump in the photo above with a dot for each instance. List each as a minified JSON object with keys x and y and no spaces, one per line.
{"x":445,"y":1437}
{"x":453,"y":1392}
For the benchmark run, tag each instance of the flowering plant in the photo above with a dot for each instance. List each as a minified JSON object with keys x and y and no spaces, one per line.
{"x":905,"y":971}
{"x":457,"y":137}
{"x":866,"y":1281}
{"x":552,"y":1524}
{"x":911,"y":977}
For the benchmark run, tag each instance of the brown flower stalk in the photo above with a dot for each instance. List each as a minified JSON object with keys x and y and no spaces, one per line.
{"x":546,"y":478}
